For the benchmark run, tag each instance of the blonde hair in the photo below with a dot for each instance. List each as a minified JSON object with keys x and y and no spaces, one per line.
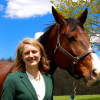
{"x":19,"y":64}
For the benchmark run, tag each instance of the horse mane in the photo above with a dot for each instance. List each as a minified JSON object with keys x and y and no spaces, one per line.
{"x":44,"y":37}
{"x":71,"y":21}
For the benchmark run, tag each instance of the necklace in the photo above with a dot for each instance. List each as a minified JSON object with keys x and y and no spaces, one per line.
{"x":38,"y":78}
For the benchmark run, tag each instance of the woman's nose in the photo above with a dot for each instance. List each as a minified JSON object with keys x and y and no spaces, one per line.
{"x":30,"y":54}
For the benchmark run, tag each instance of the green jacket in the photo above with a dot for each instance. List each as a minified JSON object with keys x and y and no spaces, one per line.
{"x":17,"y":86}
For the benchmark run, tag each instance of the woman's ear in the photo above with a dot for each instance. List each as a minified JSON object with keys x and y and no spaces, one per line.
{"x":40,"y":54}
{"x":22,"y":57}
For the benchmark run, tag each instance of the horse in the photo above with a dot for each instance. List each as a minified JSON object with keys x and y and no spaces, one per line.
{"x":5,"y":68}
{"x":68,"y":47}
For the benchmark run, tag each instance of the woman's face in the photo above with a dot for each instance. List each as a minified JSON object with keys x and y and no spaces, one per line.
{"x":31,"y":55}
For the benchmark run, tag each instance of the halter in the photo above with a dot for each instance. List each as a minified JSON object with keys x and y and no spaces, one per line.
{"x":74,"y":59}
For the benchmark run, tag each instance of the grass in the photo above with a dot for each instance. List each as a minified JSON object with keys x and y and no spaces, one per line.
{"x":78,"y":97}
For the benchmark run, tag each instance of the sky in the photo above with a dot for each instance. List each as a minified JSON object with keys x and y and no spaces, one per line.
{"x":20,"y":19}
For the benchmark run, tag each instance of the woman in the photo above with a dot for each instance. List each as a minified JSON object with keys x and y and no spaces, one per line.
{"x":29,"y":80}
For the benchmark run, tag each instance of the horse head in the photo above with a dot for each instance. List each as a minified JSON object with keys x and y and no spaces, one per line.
{"x":68,"y":46}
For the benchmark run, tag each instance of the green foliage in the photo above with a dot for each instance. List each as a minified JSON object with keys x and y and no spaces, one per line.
{"x":10,"y":59}
{"x":70,"y":8}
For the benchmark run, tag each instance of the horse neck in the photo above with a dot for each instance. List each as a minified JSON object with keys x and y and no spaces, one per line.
{"x":51,"y":44}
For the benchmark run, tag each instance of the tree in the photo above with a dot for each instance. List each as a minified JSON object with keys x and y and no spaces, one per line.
{"x":2,"y":59}
{"x":70,"y":8}
{"x":10,"y":59}
{"x":63,"y":85}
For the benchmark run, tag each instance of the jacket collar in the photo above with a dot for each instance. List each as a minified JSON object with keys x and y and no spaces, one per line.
{"x":46,"y":87}
{"x":28,"y":84}
{"x":30,"y":87}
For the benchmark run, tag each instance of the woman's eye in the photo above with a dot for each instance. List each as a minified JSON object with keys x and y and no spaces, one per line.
{"x":72,"y":38}
{"x":34,"y":52}
{"x":26,"y":53}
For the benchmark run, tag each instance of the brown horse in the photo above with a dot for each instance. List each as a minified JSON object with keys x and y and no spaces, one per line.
{"x":68,"y":47}
{"x":5,"y":69}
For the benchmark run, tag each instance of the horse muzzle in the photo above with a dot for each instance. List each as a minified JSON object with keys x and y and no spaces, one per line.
{"x":94,"y":79}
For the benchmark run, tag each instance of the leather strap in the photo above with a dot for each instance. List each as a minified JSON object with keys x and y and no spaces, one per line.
{"x":74,"y":59}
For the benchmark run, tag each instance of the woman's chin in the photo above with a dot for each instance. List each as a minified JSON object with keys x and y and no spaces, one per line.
{"x":33,"y":64}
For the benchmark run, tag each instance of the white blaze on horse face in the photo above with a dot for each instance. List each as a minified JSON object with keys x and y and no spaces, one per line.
{"x":95,"y":64}
{"x":95,"y":73}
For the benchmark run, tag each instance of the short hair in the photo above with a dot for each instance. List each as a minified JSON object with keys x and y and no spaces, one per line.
{"x":19,"y":64}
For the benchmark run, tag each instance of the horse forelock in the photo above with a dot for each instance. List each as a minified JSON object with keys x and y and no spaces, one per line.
{"x":73,"y":23}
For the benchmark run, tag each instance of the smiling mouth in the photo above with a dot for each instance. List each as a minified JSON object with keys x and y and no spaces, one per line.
{"x":31,"y":60}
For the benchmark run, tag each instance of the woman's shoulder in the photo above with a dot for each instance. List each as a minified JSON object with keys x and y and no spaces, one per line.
{"x":13,"y":75}
{"x":48,"y":76}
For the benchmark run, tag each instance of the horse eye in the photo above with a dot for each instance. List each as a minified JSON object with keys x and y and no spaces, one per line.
{"x":71,"y":38}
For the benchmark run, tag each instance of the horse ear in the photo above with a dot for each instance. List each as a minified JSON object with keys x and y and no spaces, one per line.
{"x":58,"y":17}
{"x":83,"y":16}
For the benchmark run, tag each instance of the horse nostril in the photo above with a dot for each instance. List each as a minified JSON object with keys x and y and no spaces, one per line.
{"x":94,"y":74}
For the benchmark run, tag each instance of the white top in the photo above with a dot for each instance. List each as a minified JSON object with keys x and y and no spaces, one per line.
{"x":40,"y":87}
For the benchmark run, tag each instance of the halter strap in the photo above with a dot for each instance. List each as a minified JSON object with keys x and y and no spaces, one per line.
{"x":74,"y":59}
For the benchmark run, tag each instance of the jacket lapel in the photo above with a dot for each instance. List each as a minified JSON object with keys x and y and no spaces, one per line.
{"x":47,"y":87}
{"x":27,"y":83}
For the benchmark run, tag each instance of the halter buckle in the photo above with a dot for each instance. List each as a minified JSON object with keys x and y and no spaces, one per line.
{"x":75,"y":61}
